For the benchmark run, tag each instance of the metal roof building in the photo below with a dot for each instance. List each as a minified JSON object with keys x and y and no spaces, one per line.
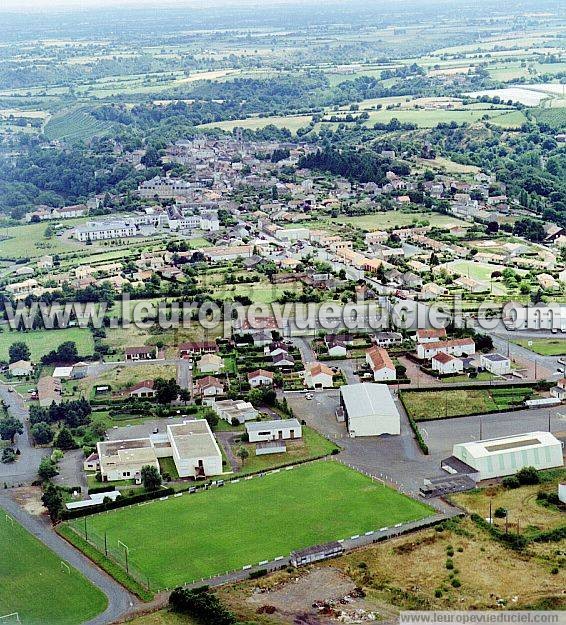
{"x":369,"y":409}
{"x":497,"y":457}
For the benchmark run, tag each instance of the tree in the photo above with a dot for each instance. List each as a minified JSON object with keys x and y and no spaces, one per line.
{"x":9,"y":427}
{"x":166,"y":391}
{"x":19,"y":351}
{"x":211,"y":417}
{"x":8,"y":455}
{"x":151,"y":478}
{"x":53,"y":501}
{"x":243,"y":454}
{"x":528,"y":475}
{"x":184,"y":395}
{"x":64,"y":440}
{"x":42,"y":433}
{"x":202,"y":605}
{"x":47,"y":469}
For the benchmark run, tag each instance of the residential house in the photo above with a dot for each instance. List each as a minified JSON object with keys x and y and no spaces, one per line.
{"x":381,"y":364}
{"x":260,"y":377}
{"x":559,"y":391}
{"x":20,"y":368}
{"x":383,"y":339}
{"x":142,"y":389}
{"x":336,"y":348}
{"x":193,"y":348}
{"x":49,"y":391}
{"x":496,"y":364}
{"x":431,"y":335}
{"x":283,"y":361}
{"x":209,"y":386}
{"x":140,"y":353}
{"x":446,"y":364}
{"x":454,"y":347}
{"x":318,"y":375}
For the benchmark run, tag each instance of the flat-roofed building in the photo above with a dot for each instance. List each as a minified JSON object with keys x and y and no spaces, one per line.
{"x":195,"y":450}
{"x":121,"y":460}
{"x":496,"y":363}
{"x":280,"y":429}
{"x":498,"y":457}
{"x":369,"y":409}
{"x":235,"y":411}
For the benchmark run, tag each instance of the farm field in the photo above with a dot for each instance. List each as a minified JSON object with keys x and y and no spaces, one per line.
{"x":34,"y":583}
{"x":544,"y":347}
{"x":477,"y":271}
{"x":41,"y":342}
{"x":398,"y":219}
{"x":431,"y":405}
{"x":75,"y":125}
{"x":315,"y":503}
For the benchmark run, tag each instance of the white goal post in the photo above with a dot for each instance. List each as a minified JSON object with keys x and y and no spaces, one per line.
{"x":14,"y":617}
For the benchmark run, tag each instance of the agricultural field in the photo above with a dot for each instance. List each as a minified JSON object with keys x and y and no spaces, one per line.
{"x":399,"y":219}
{"x":315,"y":503}
{"x":431,"y":405}
{"x":76,"y":125}
{"x":544,"y":347}
{"x":35,"y":584}
{"x":41,"y":342}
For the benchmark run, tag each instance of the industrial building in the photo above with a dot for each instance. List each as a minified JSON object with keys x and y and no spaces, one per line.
{"x":498,"y":457}
{"x":281,"y":429}
{"x":369,"y":409}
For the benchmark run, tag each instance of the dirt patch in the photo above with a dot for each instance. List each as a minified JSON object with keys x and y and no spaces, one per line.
{"x":323,"y":595}
{"x":29,"y":498}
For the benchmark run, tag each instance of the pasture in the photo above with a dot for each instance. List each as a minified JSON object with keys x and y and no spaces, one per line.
{"x":34,"y":582}
{"x":224,"y":529}
{"x":41,"y":342}
{"x":29,"y":241}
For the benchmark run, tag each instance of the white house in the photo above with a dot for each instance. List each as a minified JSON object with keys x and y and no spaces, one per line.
{"x":209,"y":386}
{"x":454,"y":347}
{"x":445,"y":363}
{"x":559,"y":391}
{"x":142,"y":389}
{"x":495,"y":363}
{"x":260,"y":377}
{"x":235,"y":410}
{"x":20,"y":368}
{"x":318,"y":375}
{"x":431,"y":336}
{"x":336,"y":348}
{"x":381,"y":364}
{"x":283,"y":429}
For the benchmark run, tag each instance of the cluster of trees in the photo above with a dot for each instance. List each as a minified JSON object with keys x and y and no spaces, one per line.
{"x":530,"y":229}
{"x":66,"y":352}
{"x":363,"y":166}
{"x":18,"y":351}
{"x":202,"y":605}
{"x":73,"y":413}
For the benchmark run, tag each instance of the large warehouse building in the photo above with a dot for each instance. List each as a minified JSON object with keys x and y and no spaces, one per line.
{"x":498,"y":457}
{"x":369,"y":410}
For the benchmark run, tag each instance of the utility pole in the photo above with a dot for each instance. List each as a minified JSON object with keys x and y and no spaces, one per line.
{"x":490,"y":514}
{"x":481,"y":429}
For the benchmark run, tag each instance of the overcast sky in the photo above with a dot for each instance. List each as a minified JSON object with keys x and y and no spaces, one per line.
{"x":25,"y":6}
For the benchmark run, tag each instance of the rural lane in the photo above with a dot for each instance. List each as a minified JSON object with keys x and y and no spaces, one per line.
{"x":120,"y":602}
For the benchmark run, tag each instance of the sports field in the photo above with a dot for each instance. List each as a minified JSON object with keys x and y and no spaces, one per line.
{"x":193,"y":536}
{"x":34,"y":583}
{"x":41,"y":342}
{"x":544,"y":347}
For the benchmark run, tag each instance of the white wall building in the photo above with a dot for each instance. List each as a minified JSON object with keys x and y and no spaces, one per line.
{"x":283,"y":429}
{"x":498,"y":457}
{"x":195,"y":450}
{"x":369,"y":410}
{"x":495,"y":363}
{"x":445,"y":363}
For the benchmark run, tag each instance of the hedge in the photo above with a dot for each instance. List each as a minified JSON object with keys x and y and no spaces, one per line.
{"x":121,"y":502}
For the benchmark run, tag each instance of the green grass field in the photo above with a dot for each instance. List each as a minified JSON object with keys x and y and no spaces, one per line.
{"x":34,"y":583}
{"x":431,"y":405}
{"x":399,"y":219}
{"x":544,"y":347}
{"x":194,"y":536}
{"x":29,"y":241}
{"x":41,"y":342}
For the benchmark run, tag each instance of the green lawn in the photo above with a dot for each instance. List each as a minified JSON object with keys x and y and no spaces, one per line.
{"x":34,"y":583}
{"x":195,"y":536}
{"x":430,"y":405}
{"x":41,"y":342}
{"x":544,"y":347}
{"x":399,"y":219}
{"x":29,"y":241}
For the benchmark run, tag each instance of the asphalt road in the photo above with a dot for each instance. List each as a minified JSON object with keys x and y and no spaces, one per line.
{"x":120,"y":602}
{"x":24,"y":470}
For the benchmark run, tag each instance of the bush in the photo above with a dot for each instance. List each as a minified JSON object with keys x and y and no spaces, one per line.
{"x":528,"y":475}
{"x":438,"y":593}
{"x":456,"y":583}
{"x":258,"y":573}
{"x":511,"y":482}
{"x":500,"y":513}
{"x":202,"y":605}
